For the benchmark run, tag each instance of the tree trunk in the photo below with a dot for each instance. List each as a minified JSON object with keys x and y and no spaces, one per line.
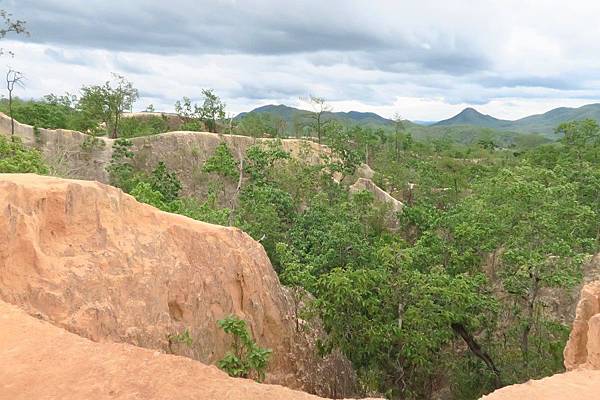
{"x":12,"y":120}
{"x":461,"y":330}
{"x":531,"y":298}
{"x":237,"y":190}
{"x":319,"y":127}
{"x":115,"y":126}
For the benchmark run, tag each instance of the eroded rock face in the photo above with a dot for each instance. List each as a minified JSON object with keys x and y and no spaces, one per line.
{"x":41,"y":361}
{"x":89,"y":258}
{"x":65,"y":150}
{"x":573,"y":385}
{"x":379,"y":194}
{"x":583,"y":347}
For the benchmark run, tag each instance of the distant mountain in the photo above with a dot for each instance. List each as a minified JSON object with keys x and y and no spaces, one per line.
{"x":470,"y":116}
{"x":469,"y":126}
{"x":547,"y":122}
{"x":291,"y":115}
{"x":541,"y":123}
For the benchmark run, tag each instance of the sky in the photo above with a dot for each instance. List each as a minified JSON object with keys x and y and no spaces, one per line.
{"x":425,"y":60}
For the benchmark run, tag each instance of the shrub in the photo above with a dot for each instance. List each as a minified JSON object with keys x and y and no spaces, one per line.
{"x":120,"y":169}
{"x":144,"y":126}
{"x":16,"y":158}
{"x":246,"y":359}
{"x":91,"y":143}
{"x":182,"y":337}
{"x":165,"y":182}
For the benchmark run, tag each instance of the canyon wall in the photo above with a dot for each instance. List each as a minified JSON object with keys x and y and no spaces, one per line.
{"x":92,"y":260}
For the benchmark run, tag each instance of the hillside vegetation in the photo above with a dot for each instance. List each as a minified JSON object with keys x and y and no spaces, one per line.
{"x":452,"y":294}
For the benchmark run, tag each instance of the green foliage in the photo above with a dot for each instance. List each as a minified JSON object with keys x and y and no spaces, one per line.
{"x":51,"y":112}
{"x":120,"y":169}
{"x":207,"y":210}
{"x":221,"y":162}
{"x":142,"y":126}
{"x":345,"y":157}
{"x":263,"y":213}
{"x":91,"y":143}
{"x":144,"y":193}
{"x":197,"y":116}
{"x":579,"y":133}
{"x":259,"y":161}
{"x":453,"y":293}
{"x":258,"y":125}
{"x":165,"y":182}
{"x":37,"y":135}
{"x":182,"y":337}
{"x":16,"y":158}
{"x":106,"y":103}
{"x":246,"y":359}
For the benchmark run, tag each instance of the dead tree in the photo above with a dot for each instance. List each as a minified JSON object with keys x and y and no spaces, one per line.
{"x":320,"y":109}
{"x":12,"y":78}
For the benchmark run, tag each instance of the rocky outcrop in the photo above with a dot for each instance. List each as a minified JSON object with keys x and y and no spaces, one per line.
{"x":581,"y":358}
{"x":40,"y":361}
{"x":92,"y":260}
{"x":583,"y":347}
{"x":380,"y":195}
{"x":574,"y":385}
{"x":64,"y":150}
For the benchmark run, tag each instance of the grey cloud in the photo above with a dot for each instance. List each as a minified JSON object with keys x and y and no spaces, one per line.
{"x":561,"y":83}
{"x":256,"y":27}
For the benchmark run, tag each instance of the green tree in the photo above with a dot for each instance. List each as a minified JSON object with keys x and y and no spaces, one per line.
{"x":212,"y":110}
{"x":221,"y":162}
{"x":106,"y":103}
{"x":120,"y":169}
{"x":346,"y":158}
{"x":209,"y":113}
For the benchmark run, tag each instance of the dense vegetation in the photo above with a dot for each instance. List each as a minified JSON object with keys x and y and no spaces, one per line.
{"x":450,"y":294}
{"x":456,"y":296}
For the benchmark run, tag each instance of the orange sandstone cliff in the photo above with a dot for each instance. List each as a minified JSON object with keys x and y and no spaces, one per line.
{"x":87,"y":258}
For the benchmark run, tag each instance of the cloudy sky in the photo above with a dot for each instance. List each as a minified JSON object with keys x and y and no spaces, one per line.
{"x":424,"y":59}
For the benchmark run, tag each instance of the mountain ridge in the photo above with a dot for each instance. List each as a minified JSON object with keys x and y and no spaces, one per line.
{"x":288,"y":114}
{"x":544,"y":123}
